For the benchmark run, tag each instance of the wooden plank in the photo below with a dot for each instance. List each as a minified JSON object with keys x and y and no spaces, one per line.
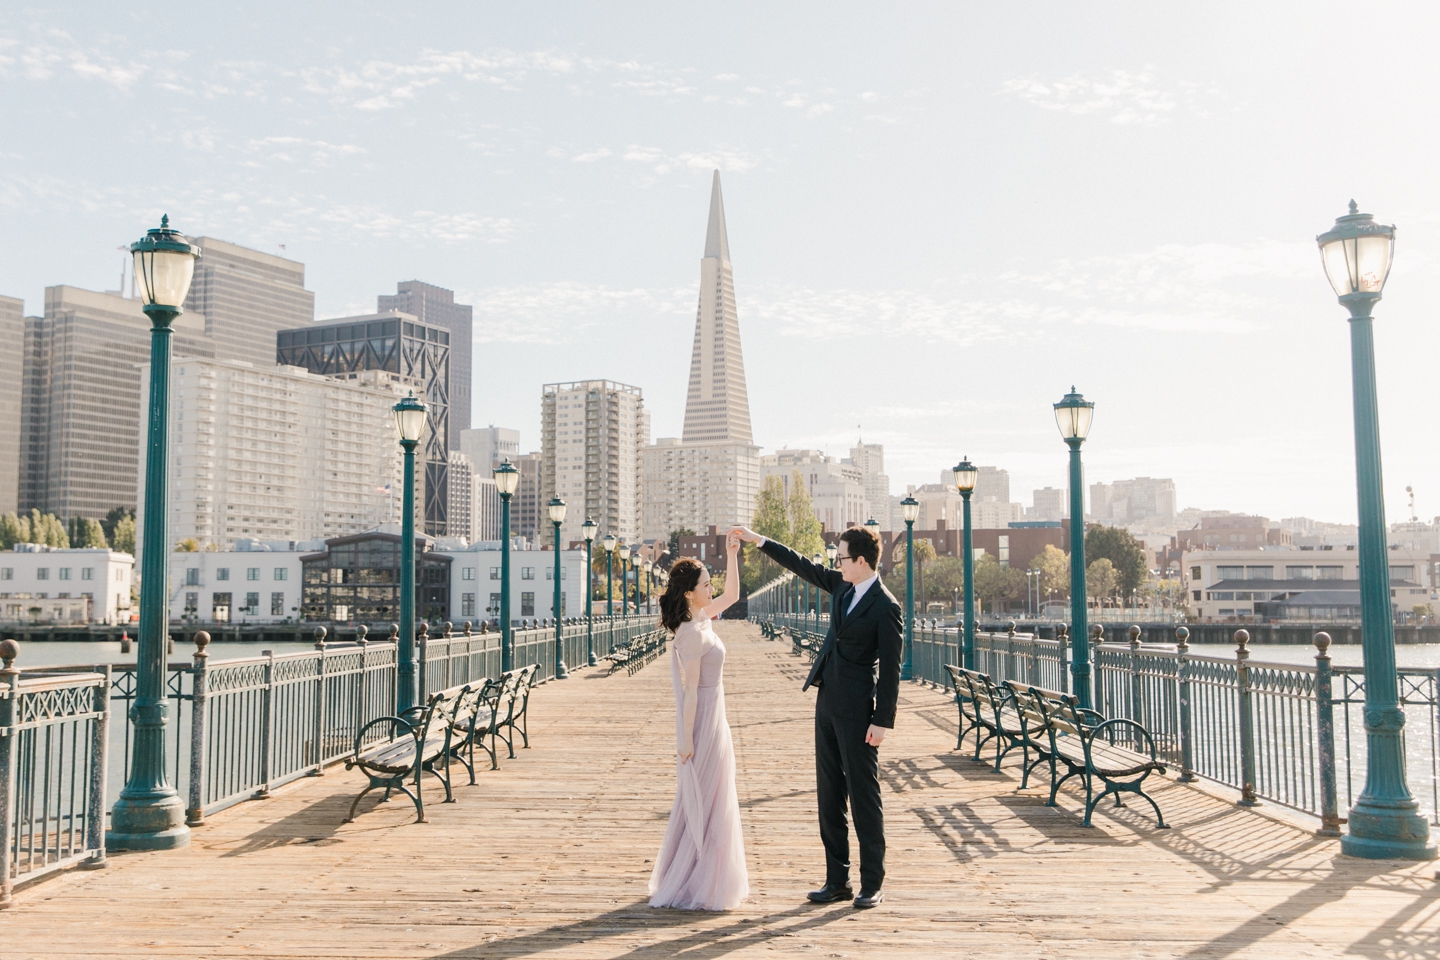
{"x":549,"y":856}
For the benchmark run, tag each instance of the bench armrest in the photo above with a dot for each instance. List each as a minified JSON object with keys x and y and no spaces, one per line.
{"x":392,"y":722}
{"x":1141,"y":741}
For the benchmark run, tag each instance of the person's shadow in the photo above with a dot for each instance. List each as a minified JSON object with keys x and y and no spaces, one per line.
{"x":640,"y":918}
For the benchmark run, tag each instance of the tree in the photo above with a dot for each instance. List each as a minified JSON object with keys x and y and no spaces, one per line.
{"x":188,"y":545}
{"x":675,"y":536}
{"x":772,"y":521}
{"x":13,"y":530}
{"x":1101,"y":579}
{"x":944,"y":576}
{"x":46,"y":528}
{"x":1054,"y":567}
{"x":995,"y":584}
{"x":806,"y":536}
{"x":1124,"y":552}
{"x":86,"y":533}
{"x":113,"y":517}
{"x":123,"y":539}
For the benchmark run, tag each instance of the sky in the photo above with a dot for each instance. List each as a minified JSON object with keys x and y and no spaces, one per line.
{"x":941,"y":216}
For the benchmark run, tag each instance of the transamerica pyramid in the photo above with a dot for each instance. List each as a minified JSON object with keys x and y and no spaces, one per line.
{"x":717,"y":408}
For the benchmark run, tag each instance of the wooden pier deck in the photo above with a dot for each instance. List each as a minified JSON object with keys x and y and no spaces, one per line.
{"x":549,"y":857}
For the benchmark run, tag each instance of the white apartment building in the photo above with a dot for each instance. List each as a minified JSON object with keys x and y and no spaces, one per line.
{"x":592,"y":435}
{"x":836,"y":488}
{"x":698,"y":485}
{"x":260,"y":581}
{"x":487,"y":446}
{"x":870,"y":458}
{"x":475,"y":582}
{"x":943,"y":502}
{"x":1295,"y":584}
{"x":1050,"y":504}
{"x":1132,"y":501}
{"x":272,"y":453}
{"x":474,"y":503}
{"x":40,"y":584}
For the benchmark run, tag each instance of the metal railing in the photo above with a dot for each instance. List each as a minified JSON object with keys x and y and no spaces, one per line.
{"x":1288,"y":734}
{"x":238,"y":728}
{"x":53,"y":753}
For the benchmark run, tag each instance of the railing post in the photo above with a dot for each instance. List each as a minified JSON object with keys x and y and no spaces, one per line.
{"x":1187,"y":733}
{"x":195,"y":813}
{"x":1062,"y":637}
{"x":360,"y":634}
{"x":1135,"y":700}
{"x":422,"y":642}
{"x":267,"y":719}
{"x":1325,"y":735}
{"x":99,"y":766}
{"x":320,"y":704}
{"x":1247,"y":721}
{"x":1097,"y":684}
{"x":9,"y":758}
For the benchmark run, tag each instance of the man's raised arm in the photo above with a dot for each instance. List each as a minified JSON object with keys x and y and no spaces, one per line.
{"x":822,"y":577}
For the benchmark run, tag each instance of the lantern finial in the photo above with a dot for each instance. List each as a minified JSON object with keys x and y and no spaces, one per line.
{"x":1354,"y":208}
{"x":165,"y":218}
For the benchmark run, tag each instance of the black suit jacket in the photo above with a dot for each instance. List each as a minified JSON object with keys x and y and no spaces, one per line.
{"x":869,"y":636}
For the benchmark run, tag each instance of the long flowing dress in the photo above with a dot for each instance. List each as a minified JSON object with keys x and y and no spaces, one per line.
{"x":701,"y":864}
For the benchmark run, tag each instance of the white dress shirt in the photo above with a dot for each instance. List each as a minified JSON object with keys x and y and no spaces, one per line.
{"x":860,"y":589}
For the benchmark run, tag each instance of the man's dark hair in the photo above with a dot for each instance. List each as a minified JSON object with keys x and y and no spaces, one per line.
{"x":862,"y":543}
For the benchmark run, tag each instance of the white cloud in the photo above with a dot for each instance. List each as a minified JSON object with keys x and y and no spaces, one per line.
{"x":663,"y":162}
{"x":592,"y":156}
{"x":1122,"y":96}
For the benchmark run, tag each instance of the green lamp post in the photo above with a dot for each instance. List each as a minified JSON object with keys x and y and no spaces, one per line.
{"x":873,"y":526}
{"x":556,"y":508}
{"x":1385,"y":821}
{"x":830,"y":552}
{"x":507,"y":481}
{"x":1073,"y":415}
{"x":409,"y":426}
{"x":910,"y":510}
{"x":589,"y":527}
{"x":649,"y":584}
{"x":624,"y":553}
{"x":609,"y":544}
{"x":966,"y":475}
{"x":149,"y":815}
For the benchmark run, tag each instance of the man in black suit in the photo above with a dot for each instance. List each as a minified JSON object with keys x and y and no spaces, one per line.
{"x":853,"y":712}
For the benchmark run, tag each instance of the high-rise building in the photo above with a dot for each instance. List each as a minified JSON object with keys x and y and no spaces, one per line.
{"x":1133,"y":501}
{"x":246,"y":297}
{"x":415,"y":354}
{"x":527,"y":506}
{"x":278,"y":453}
{"x":81,"y":421}
{"x":592,"y":435}
{"x":485,"y":509}
{"x":836,"y":488}
{"x":436,"y":306}
{"x":717,"y":407}
{"x":711,"y":477}
{"x":487,"y":446}
{"x":1050,"y":504}
{"x":460,"y":517}
{"x":870,"y":458}
{"x":12,"y":389}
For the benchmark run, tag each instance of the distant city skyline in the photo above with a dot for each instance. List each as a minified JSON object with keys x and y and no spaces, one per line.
{"x":1137,"y":218}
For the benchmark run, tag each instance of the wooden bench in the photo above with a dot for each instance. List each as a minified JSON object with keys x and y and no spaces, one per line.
{"x":1119,"y":752}
{"x":993,"y":712}
{"x":420,"y":740}
{"x":483,"y":723}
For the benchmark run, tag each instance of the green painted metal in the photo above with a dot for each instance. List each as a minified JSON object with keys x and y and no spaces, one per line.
{"x":589,"y":603}
{"x":1182,"y":679}
{"x":1325,"y":724}
{"x":560,"y":672}
{"x":907,"y":669}
{"x":405,"y":689}
{"x":507,"y":635}
{"x":1079,"y":615}
{"x":968,"y":564}
{"x":1384,"y":822}
{"x":1247,"y":719}
{"x":609,"y":583}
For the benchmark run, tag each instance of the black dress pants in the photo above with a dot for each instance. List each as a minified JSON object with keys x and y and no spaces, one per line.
{"x":848,"y":769}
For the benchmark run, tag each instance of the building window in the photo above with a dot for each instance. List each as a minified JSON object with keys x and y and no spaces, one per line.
{"x":527,"y":604}
{"x":467,"y":604}
{"x":1230,"y":573}
{"x":43,"y":573}
{"x":220,"y":607}
{"x":1259,"y":573}
{"x":252,"y":604}
{"x":527,"y":573}
{"x":1403,"y":573}
{"x":1299,"y":573}
{"x":277,"y":604}
{"x":494,"y":608}
{"x":87,"y":573}
{"x":494,"y":573}
{"x":222,"y":573}
{"x":1197,"y":594}
{"x":192,"y":604}
{"x":1004,"y":551}
{"x":252,"y":573}
{"x":1330,"y":573}
{"x":282,"y":573}
{"x":7,"y":573}
{"x":192,"y":576}
{"x":467,"y":573}
{"x":64,"y":573}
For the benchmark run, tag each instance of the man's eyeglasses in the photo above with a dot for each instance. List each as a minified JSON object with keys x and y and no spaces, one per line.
{"x":841,"y":558}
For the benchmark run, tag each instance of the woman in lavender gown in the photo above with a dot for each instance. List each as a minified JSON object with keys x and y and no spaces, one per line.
{"x":701,"y":864}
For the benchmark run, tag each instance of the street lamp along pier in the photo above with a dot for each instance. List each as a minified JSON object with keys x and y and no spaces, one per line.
{"x":1073,"y":415}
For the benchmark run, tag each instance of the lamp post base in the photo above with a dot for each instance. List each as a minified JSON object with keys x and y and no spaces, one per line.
{"x":148,"y":823}
{"x":593,"y":661}
{"x":560,"y":672}
{"x":1387,"y":833}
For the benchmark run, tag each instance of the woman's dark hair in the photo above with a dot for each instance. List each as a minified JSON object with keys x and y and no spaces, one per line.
{"x":685,"y":575}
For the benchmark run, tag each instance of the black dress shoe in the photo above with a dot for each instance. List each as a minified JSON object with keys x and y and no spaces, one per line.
{"x":867,"y":900}
{"x":829,"y":894}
